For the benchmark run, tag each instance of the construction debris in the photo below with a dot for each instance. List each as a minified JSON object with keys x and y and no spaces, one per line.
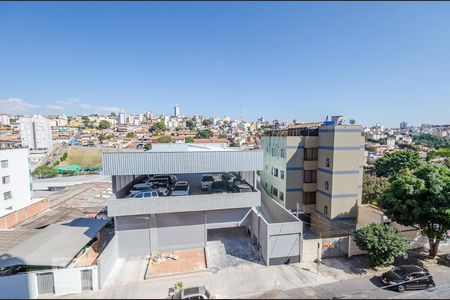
{"x":157,"y":257}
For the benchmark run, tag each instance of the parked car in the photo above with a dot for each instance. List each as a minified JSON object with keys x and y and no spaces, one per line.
{"x":172,"y":179}
{"x":207,"y":179}
{"x":408,"y":277}
{"x":192,"y":293}
{"x":219,"y":187}
{"x":145,"y":194}
{"x":160,"y":185}
{"x":181,"y":188}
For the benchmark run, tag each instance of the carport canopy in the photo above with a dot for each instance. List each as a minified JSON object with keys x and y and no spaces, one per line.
{"x":55,"y":245}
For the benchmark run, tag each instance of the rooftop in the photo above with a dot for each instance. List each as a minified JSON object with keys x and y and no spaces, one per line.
{"x":55,"y":245}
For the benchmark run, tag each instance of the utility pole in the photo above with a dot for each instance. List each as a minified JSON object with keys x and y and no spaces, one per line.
{"x":318,"y":257}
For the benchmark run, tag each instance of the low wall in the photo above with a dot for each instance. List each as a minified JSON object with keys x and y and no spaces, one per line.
{"x":106,"y":261}
{"x":68,"y":281}
{"x":13,"y":219}
{"x":21,"y":286}
{"x":309,"y":249}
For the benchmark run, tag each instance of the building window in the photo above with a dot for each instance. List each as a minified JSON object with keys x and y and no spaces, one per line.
{"x":267,"y":167}
{"x":310,"y":176}
{"x":325,"y":210}
{"x":5,"y":179}
{"x":281,"y":196}
{"x":275,"y":172}
{"x":4,"y":164}
{"x":283,"y":153}
{"x":273,"y":151}
{"x":311,"y":153}
{"x":7,"y":195}
{"x":309,"y":198}
{"x":282,"y":174}
{"x":275,"y":192}
{"x":327,"y":185}
{"x":327,"y":163}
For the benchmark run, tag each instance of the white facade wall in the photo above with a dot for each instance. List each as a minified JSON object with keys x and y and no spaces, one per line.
{"x":4,"y":120}
{"x":16,"y":176}
{"x":36,"y":133}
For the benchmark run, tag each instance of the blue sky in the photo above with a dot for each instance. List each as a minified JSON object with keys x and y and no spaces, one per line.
{"x":374,"y":62}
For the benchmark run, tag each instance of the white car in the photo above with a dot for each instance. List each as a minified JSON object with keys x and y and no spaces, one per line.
{"x":207,"y":179}
{"x":181,"y":188}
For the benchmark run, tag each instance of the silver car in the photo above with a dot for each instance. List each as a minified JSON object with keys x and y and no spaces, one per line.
{"x":192,"y":293}
{"x":181,"y":188}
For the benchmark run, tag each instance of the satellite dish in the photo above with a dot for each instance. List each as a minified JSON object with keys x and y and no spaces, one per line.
{"x":352,"y":122}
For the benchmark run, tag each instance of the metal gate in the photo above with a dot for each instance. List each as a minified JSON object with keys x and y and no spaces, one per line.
{"x":86,"y":280}
{"x":46,"y":284}
{"x":334,"y":247}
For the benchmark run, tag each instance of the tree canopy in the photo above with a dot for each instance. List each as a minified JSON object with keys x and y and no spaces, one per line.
{"x":392,"y":163}
{"x":164,"y":139}
{"x":383,"y":243}
{"x":422,"y":198}
{"x":373,"y":188}
{"x":131,"y":134}
{"x":204,"y":134}
{"x":44,"y":171}
{"x":432,"y":141}
{"x":190,"y":124}
{"x":207,"y":122}
{"x":189,"y":139}
{"x":104,"y":124}
{"x":159,"y":126}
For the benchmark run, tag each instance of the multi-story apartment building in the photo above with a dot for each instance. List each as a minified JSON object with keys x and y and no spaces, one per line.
{"x":15,"y":184}
{"x":36,"y":133}
{"x":316,"y":168}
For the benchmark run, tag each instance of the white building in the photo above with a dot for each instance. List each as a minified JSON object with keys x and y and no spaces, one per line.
{"x":390,"y":142}
{"x":4,"y":120}
{"x":121,"y":119}
{"x":176,"y":110}
{"x":36,"y":133}
{"x":15,"y":184}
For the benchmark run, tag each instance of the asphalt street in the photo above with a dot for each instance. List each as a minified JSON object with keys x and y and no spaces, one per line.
{"x":368,"y":287}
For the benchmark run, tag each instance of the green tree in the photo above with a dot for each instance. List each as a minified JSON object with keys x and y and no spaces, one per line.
{"x":373,"y":188}
{"x":207,"y":122}
{"x":64,"y":156}
{"x":159,"y":126}
{"x":421,"y":198}
{"x":204,"y":134}
{"x":104,"y":137}
{"x":104,"y":124}
{"x":190,"y":124}
{"x":44,"y":171}
{"x":148,"y":146}
{"x":131,"y":135}
{"x":164,"y":139}
{"x":189,"y":139}
{"x":431,"y":141}
{"x":383,"y":244}
{"x":392,"y":163}
{"x":56,"y":163}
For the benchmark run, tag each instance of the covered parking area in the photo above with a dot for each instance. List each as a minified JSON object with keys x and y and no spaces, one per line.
{"x":232,"y":227}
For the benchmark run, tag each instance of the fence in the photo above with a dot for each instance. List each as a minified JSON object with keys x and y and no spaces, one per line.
{"x":56,"y":281}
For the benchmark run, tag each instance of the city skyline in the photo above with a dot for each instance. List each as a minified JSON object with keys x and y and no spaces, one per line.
{"x":375,"y":63}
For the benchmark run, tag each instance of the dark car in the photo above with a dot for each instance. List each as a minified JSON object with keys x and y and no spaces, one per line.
{"x":219,"y":187}
{"x":408,"y":277}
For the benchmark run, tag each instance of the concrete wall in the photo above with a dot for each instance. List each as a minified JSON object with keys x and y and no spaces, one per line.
{"x":68,"y":281}
{"x":191,"y":203}
{"x":21,"y":286}
{"x":106,"y":261}
{"x":284,"y":242}
{"x":179,"y":231}
{"x":278,"y":214}
{"x":309,"y":249}
{"x":133,"y":235}
{"x":140,"y":235}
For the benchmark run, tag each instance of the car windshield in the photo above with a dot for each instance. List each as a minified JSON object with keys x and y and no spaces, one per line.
{"x":400,"y":271}
{"x":180,"y":188}
{"x":207,"y":178}
{"x":218,"y":186}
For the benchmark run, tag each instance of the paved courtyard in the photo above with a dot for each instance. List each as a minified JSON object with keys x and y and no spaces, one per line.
{"x":229,"y":247}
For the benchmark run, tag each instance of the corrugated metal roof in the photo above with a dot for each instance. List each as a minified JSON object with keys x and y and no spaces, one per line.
{"x":55,"y":245}
{"x":134,"y":163}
